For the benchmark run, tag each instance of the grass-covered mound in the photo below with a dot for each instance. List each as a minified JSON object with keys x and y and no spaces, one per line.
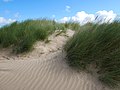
{"x":22,"y":35}
{"x":97,"y":45}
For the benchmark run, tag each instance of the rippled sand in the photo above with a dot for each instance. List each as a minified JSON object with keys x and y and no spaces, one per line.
{"x":44,"y":69}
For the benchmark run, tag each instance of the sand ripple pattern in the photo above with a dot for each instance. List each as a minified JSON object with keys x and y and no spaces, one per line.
{"x":52,"y":74}
{"x":46,"y":71}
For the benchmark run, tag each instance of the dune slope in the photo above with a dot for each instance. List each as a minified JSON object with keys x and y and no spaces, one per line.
{"x":44,"y":69}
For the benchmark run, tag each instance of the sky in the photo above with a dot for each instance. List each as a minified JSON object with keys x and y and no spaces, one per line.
{"x":60,"y":10}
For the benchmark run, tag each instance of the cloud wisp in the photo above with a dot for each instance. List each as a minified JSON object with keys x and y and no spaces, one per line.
{"x":17,"y":15}
{"x":67,"y":9}
{"x":7,"y":1}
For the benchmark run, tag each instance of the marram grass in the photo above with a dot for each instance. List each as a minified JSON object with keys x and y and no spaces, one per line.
{"x":72,"y":25}
{"x":22,"y":35}
{"x":97,"y":44}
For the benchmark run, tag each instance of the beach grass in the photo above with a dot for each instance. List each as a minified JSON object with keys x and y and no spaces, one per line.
{"x":22,"y":35}
{"x":97,"y":45}
{"x":72,"y":25}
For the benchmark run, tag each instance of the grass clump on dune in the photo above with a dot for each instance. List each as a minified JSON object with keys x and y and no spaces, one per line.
{"x":98,"y":45}
{"x":72,"y":25}
{"x":22,"y":35}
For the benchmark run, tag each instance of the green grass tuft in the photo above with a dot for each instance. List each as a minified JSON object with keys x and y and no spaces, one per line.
{"x":22,"y":35}
{"x":98,"y":44}
{"x":72,"y":25}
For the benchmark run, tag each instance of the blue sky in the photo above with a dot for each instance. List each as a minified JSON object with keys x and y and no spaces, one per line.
{"x":25,"y":9}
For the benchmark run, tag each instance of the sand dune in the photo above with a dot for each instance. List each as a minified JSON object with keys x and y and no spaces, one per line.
{"x":44,"y":69}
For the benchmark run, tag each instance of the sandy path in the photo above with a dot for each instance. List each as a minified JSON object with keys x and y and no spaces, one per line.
{"x":44,"y":69}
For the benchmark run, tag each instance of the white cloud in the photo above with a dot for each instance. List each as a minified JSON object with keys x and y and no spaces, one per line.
{"x":65,"y":19}
{"x":7,"y":0}
{"x":83,"y":17}
{"x":4,"y":21}
{"x":106,"y":16}
{"x":67,"y":9}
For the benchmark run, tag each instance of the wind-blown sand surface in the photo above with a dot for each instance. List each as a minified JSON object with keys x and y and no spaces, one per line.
{"x":44,"y":69}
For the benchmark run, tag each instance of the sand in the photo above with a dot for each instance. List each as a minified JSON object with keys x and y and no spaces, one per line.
{"x":44,"y":68}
